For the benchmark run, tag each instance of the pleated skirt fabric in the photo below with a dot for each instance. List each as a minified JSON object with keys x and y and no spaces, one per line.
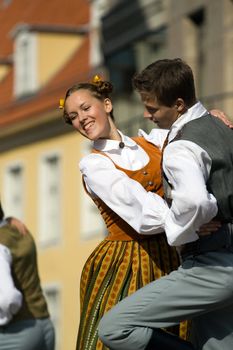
{"x":113,"y":271}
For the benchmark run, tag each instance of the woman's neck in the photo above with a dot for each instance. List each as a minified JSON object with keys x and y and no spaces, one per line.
{"x":114,"y":133}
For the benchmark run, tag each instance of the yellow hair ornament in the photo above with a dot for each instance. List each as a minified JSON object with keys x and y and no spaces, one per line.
{"x":96,"y":79}
{"x":61,"y":103}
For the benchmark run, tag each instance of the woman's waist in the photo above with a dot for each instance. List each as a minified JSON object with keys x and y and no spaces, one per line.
{"x":116,"y":233}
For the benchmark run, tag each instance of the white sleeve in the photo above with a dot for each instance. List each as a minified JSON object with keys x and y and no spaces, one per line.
{"x":187,"y":168}
{"x":10,"y":297}
{"x":144,"y":211}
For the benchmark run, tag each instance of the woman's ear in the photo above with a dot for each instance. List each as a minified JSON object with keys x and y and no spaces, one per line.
{"x":108,"y":105}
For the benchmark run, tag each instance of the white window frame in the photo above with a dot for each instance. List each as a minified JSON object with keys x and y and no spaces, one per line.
{"x":55,"y":311}
{"x":25,"y":58}
{"x":43,"y":197}
{"x":91,"y":223}
{"x":9,"y":208}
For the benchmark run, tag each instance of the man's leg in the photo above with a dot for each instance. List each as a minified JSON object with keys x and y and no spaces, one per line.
{"x":162,"y":340}
{"x":201,"y":285}
{"x":219,"y":323}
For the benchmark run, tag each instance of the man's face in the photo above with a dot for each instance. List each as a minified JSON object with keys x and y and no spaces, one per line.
{"x":162,"y":115}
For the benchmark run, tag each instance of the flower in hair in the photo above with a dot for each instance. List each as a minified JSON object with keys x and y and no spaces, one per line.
{"x":96,"y":79}
{"x":61,"y":103}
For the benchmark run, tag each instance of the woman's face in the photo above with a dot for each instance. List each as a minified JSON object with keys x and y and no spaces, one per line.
{"x":89,"y":115}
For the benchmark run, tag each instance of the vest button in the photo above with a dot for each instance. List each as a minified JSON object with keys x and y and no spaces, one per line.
{"x":145,"y":172}
{"x":150,"y":183}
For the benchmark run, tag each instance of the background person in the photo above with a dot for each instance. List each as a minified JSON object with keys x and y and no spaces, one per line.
{"x":24,"y":317}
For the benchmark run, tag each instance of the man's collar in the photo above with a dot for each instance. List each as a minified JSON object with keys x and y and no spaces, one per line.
{"x":194,"y":112}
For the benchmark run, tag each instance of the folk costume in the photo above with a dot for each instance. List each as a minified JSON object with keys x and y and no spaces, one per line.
{"x":24,"y":317}
{"x":198,"y":167}
{"x":124,"y":261}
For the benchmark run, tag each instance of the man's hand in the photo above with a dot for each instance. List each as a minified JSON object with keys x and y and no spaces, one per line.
{"x":208,"y":228}
{"x":18,"y":224}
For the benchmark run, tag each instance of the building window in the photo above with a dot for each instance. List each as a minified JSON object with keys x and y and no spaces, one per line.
{"x":91,"y":222}
{"x":121,"y":67}
{"x":151,"y":48}
{"x":198,"y":36}
{"x":25,"y":64}
{"x":49,"y":199}
{"x":13,"y":191}
{"x":53,"y":298}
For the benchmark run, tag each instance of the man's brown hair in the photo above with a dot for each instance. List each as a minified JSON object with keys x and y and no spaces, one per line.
{"x":167,"y":80}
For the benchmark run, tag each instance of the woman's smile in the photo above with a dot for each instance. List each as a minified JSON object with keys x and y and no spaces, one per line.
{"x":88,"y":126}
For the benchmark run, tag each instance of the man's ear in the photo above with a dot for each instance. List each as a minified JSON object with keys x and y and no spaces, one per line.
{"x":108,"y":105}
{"x":180,"y":105}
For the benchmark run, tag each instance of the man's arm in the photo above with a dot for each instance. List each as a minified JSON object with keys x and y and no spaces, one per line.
{"x":187,"y":168}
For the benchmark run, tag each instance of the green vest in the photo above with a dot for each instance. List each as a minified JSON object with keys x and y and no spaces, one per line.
{"x":25,"y":273}
{"x":217,"y":140}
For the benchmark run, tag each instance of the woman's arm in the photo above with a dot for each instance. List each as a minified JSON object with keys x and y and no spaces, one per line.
{"x":144,"y":211}
{"x":222,"y":116}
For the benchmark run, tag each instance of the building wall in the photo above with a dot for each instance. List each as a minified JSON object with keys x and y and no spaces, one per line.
{"x":46,"y":60}
{"x":206,"y":45}
{"x":63,"y":46}
{"x":3,"y":71}
{"x":198,"y":31}
{"x":60,"y":264}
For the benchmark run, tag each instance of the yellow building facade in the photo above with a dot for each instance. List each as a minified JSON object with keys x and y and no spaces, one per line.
{"x":40,"y":181}
{"x":61,"y":258}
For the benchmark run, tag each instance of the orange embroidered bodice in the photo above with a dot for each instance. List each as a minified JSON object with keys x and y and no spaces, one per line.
{"x":149,"y":177}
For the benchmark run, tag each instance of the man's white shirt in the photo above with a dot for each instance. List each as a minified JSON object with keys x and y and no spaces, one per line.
{"x":10,"y":297}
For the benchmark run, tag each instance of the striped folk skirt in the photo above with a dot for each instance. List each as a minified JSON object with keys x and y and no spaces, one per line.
{"x":115,"y":270}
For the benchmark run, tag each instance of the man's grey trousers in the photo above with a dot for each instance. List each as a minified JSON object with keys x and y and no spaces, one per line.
{"x":201,"y":290}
